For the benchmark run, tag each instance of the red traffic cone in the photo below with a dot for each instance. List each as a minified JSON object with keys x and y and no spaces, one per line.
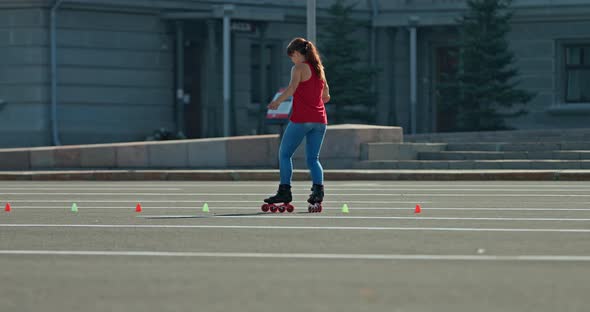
{"x":418,"y":209}
{"x":138,"y":208}
{"x":7,"y":208}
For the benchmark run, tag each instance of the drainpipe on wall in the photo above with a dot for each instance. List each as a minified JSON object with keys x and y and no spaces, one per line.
{"x":413,"y":22}
{"x":53,"y":78}
{"x":179,"y":78}
{"x":228,"y":10}
{"x":263,"y":92}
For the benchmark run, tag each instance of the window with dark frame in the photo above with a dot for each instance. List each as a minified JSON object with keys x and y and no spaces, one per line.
{"x":577,"y":73}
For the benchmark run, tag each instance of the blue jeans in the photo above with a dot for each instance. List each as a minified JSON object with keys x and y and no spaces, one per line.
{"x":292,"y":137}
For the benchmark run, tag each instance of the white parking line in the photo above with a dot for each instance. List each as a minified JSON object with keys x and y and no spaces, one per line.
{"x":332,"y":194}
{"x":311,"y":216}
{"x":80,"y":200}
{"x":302,"y":189}
{"x":305,"y":184}
{"x":302,"y":207}
{"x":271,"y":227}
{"x":483,"y":189}
{"x":297,"y":207}
{"x":98,"y":188}
{"x":551,"y":258}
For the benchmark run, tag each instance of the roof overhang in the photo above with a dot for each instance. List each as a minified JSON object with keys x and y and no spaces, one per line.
{"x":238,"y":12}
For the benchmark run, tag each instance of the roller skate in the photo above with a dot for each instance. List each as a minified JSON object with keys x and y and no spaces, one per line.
{"x":315,"y":198}
{"x":283,"y":196}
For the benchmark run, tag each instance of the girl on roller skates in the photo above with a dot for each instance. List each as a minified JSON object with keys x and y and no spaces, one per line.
{"x":308,"y":119}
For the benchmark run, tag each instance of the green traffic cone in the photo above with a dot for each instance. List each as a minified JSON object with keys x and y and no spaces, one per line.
{"x":345,"y":208}
{"x":74,"y":207}
{"x":205,"y":207}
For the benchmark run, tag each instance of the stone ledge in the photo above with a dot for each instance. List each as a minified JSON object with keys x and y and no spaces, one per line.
{"x":342,"y":147}
{"x":298,"y":175}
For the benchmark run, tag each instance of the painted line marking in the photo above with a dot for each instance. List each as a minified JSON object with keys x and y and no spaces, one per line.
{"x":549,"y":258}
{"x":271,"y":227}
{"x":582,"y":189}
{"x":264,"y":194}
{"x":325,"y":208}
{"x":273,"y":216}
{"x":303,"y":185}
{"x":79,"y":200}
{"x":127,"y":188}
{"x":255,"y":208}
{"x":93,"y":188}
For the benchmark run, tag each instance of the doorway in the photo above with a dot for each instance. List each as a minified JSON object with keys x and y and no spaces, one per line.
{"x":192,"y":88}
{"x":446,"y":65}
{"x":264,"y":85}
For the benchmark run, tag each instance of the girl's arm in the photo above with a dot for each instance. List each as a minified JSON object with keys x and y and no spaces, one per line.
{"x":296,"y":72}
{"x":326,"y":93}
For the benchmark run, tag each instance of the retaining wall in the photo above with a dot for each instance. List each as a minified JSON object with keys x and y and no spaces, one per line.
{"x":341,"y":149}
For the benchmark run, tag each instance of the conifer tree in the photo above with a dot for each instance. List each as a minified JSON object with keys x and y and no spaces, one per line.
{"x":349,"y":78}
{"x":483,"y":91}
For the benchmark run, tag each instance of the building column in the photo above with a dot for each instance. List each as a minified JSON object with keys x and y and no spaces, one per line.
{"x":401,"y":72}
{"x":228,"y":10}
{"x":311,"y":21}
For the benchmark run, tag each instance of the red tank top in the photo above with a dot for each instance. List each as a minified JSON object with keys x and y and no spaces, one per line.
{"x":307,"y":100}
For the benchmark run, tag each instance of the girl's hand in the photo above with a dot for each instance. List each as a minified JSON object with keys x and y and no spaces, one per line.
{"x":273,"y":105}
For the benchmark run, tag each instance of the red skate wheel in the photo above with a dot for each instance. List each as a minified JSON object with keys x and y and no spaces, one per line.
{"x":264,"y":208}
{"x":290,"y":208}
{"x":320,"y":208}
{"x":281,"y":209}
{"x":273,"y":208}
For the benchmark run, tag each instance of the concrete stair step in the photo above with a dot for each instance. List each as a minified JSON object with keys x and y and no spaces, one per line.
{"x":487,"y":155}
{"x":408,"y":151}
{"x":473,"y":164}
{"x":519,"y":147}
{"x":538,"y":135}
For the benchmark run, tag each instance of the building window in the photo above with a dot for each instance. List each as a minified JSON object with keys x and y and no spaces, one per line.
{"x":577,"y":73}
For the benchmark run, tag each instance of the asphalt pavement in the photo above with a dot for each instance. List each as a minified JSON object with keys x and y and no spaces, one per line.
{"x":475,"y":246}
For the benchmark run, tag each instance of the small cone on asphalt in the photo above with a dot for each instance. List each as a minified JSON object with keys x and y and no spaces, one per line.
{"x":138,"y":207}
{"x":418,"y":209}
{"x":345,"y":208}
{"x":7,"y":208}
{"x":74,"y":207}
{"x":205,"y":207}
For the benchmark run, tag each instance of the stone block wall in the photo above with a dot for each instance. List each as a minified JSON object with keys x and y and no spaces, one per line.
{"x":341,"y":149}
